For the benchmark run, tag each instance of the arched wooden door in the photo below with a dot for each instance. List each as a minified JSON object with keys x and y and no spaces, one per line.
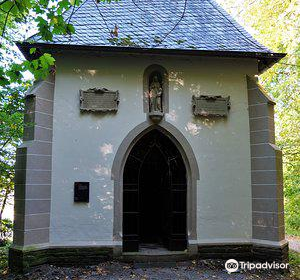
{"x":154,"y":195}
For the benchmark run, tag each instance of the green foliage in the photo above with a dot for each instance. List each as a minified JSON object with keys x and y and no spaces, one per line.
{"x":47,"y":16}
{"x":126,"y":41}
{"x":11,"y":128}
{"x":4,"y":258}
{"x":277,"y":25}
{"x":294,"y":261}
{"x":294,"y":258}
{"x":6,"y":232}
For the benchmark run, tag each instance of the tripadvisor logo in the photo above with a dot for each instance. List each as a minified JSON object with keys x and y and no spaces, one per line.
{"x":233,"y":265}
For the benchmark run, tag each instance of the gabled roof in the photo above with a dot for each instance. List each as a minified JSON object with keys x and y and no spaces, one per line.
{"x":183,"y":25}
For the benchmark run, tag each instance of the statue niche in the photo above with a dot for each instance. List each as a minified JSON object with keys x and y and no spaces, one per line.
{"x":155,"y":93}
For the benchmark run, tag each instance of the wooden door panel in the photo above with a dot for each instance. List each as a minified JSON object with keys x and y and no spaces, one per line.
{"x":177,"y":244}
{"x":178,"y":203}
{"x":130,"y":223}
{"x":131,"y":243}
{"x":177,"y":170}
{"x":171,"y":211}
{"x":130,"y":217}
{"x":178,"y":221}
{"x":130,"y":231}
{"x":131,"y":201}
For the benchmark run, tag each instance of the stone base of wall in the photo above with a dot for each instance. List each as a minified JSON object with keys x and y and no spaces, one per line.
{"x":245,"y":252}
{"x":21,"y":261}
{"x":225,"y":252}
{"x":264,"y":253}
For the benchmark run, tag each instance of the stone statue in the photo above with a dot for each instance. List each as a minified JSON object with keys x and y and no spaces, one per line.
{"x":155,"y":95}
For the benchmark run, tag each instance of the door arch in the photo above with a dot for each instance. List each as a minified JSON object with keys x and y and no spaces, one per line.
{"x":192,"y":173}
{"x":154,"y":194}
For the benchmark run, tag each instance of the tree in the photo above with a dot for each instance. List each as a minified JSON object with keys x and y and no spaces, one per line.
{"x":11,"y":127}
{"x":276,"y":24}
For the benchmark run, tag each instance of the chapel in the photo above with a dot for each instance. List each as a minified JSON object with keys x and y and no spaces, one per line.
{"x":151,"y":139}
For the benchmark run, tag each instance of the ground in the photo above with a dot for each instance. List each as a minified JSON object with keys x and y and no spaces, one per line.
{"x":294,"y":242}
{"x":202,"y":269}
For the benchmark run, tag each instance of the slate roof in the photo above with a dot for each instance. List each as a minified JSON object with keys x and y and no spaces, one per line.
{"x":150,"y":24}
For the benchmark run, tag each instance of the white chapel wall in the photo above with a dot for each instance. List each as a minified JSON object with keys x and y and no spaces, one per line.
{"x":84,"y":144}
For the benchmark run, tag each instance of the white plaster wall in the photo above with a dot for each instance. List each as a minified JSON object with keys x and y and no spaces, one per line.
{"x":84,"y":145}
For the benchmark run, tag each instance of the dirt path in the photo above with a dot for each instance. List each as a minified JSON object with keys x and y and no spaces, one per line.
{"x":294,"y":242}
{"x":200,"y":270}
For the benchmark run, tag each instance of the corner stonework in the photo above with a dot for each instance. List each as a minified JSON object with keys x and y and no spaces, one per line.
{"x":266,"y":170}
{"x":33,"y":172}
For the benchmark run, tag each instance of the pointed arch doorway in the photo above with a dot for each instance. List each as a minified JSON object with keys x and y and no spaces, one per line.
{"x":154,"y":194}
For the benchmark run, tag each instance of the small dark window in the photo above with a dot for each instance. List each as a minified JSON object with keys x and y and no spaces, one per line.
{"x":81,"y":191}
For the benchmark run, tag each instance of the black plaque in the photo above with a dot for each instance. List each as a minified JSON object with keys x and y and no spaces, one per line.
{"x":81,"y":191}
{"x":99,"y":100}
{"x":206,"y":105}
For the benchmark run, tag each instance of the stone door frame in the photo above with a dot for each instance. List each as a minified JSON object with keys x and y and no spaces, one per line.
{"x":192,"y":177}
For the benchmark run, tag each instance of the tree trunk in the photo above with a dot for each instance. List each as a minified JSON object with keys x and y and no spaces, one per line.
{"x":2,"y":210}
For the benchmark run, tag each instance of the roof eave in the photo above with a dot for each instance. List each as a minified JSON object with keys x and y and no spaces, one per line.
{"x":265,"y":60}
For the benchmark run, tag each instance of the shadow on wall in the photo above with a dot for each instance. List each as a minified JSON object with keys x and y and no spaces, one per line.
{"x":194,"y":127}
{"x":176,"y":78}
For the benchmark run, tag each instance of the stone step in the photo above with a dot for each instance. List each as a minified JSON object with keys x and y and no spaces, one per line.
{"x":160,"y":258}
{"x":160,"y":264}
